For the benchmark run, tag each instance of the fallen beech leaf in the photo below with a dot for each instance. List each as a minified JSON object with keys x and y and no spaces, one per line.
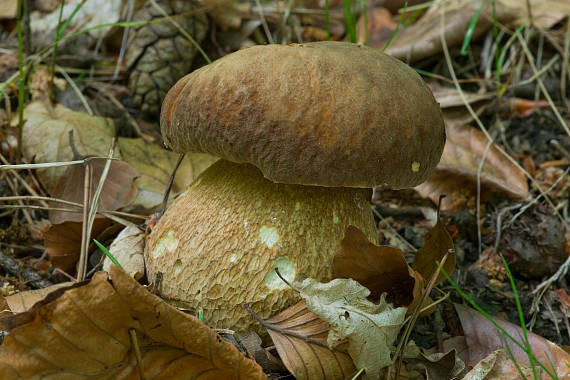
{"x":227,"y":13}
{"x":63,"y":242}
{"x":118,"y":190}
{"x":437,"y":243}
{"x":423,"y":38}
{"x":252,"y":343}
{"x":380,"y":27}
{"x":370,"y":328}
{"x":155,"y":166}
{"x":483,"y":338}
{"x":307,"y":360}
{"x":456,"y":174}
{"x":128,"y":248}
{"x":545,"y":13}
{"x":438,"y":365}
{"x":46,"y":137}
{"x":381,"y":269}
{"x":498,"y":366}
{"x":86,"y":333}
{"x":23,"y":301}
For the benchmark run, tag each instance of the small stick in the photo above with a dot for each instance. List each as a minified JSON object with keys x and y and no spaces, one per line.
{"x":137,"y":350}
{"x":82,"y":265}
{"x":169,"y":187}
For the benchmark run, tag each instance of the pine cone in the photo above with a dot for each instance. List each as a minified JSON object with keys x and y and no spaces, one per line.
{"x":158,"y":54}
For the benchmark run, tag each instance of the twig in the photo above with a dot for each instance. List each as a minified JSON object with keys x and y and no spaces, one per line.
{"x":407,"y":243}
{"x":479,"y":170}
{"x":137,"y":350}
{"x":285,"y":281}
{"x":264,"y":23}
{"x":82,"y":264}
{"x":169,"y":187}
{"x":130,"y":9}
{"x":51,"y":164}
{"x":76,"y":90}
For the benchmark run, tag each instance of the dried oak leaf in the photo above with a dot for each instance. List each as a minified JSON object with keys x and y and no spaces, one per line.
{"x":545,"y":13}
{"x":308,"y":358}
{"x":86,"y":333}
{"x":423,"y":38}
{"x":155,"y":166}
{"x":46,"y":137}
{"x":118,"y":190}
{"x":483,"y":338}
{"x":456,"y":174}
{"x":437,"y":243}
{"x":437,"y":365}
{"x":370,"y":329}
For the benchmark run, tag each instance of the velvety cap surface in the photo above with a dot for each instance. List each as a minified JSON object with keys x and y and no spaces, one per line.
{"x":324,"y":113}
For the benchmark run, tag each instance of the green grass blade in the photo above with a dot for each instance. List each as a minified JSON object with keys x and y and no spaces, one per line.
{"x":471,"y":29}
{"x":328,"y":19}
{"x":107,"y":253}
{"x":521,"y":316}
{"x":490,"y":319}
{"x":395,"y":33}
{"x":349,"y":21}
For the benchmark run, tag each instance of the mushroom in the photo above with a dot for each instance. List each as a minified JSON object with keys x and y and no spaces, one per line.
{"x":304,"y":131}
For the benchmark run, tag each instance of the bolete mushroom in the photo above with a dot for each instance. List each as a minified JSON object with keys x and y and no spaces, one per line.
{"x":304,"y":131}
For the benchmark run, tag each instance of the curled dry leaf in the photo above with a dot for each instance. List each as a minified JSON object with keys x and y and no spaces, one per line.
{"x":300,"y":338}
{"x":438,"y":365}
{"x":423,"y":39}
{"x":371,"y":329}
{"x":46,"y":137}
{"x":227,"y":13}
{"x":456,"y":174}
{"x":118,"y":190}
{"x":545,"y":13}
{"x":437,"y":243}
{"x":498,"y":366}
{"x":155,"y":166}
{"x":483,"y":338}
{"x":63,"y":241}
{"x":23,"y":301}
{"x":128,"y":249}
{"x":87,"y":332}
{"x":381,"y":269}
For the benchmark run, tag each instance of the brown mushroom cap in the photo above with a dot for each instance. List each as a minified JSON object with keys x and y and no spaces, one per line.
{"x":325,"y":113}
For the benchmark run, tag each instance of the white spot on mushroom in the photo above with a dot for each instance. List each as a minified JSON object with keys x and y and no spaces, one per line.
{"x":335,"y":218}
{"x":415,"y":166}
{"x":297,"y":206}
{"x":268,"y":235}
{"x":233,"y":258}
{"x":177,"y":266}
{"x":287,"y":269}
{"x":167,"y":243}
{"x":245,"y":228}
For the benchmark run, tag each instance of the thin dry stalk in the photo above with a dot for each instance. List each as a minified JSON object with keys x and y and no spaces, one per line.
{"x":82,"y":264}
{"x":21,"y":180}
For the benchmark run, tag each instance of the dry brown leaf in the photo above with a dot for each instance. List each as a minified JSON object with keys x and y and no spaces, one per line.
{"x":423,"y":39}
{"x":86,"y":333}
{"x":127,"y":248}
{"x":545,"y":13}
{"x":370,"y":329}
{"x":118,"y":190}
{"x":437,"y":243}
{"x":8,"y":9}
{"x":380,"y":27}
{"x":155,"y":166}
{"x":483,"y":338}
{"x":381,"y":269}
{"x":311,"y":358}
{"x":498,"y":366}
{"x":46,"y":137}
{"x":227,"y":13}
{"x":23,"y":301}
{"x":437,"y":366}
{"x":456,"y":174}
{"x":63,"y":242}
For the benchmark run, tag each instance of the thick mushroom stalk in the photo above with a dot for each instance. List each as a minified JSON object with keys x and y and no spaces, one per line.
{"x":218,"y":243}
